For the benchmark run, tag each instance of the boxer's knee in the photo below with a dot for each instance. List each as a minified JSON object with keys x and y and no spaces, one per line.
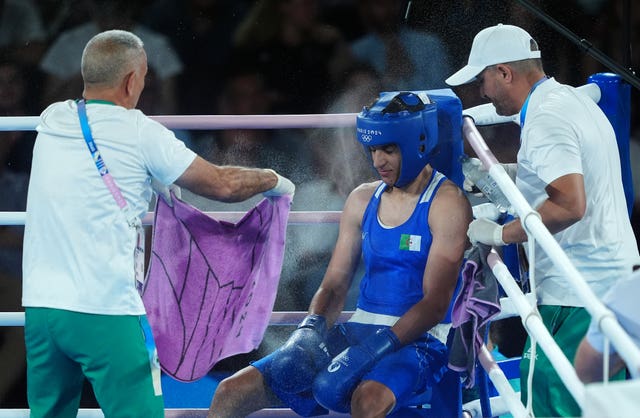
{"x":372,"y":399}
{"x":240,"y":394}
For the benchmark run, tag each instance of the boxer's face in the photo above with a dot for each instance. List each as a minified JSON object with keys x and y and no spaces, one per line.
{"x":387,"y":160}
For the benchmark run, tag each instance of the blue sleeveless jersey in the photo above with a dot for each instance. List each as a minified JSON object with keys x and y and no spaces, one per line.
{"x":395,"y":258}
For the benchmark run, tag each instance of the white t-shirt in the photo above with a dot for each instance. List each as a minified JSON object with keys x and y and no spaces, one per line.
{"x":78,"y":246}
{"x":566,"y":132}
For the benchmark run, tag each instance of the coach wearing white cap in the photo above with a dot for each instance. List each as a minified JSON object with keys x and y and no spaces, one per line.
{"x":568,"y":169}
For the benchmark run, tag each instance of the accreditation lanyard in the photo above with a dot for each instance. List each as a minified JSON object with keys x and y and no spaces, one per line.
{"x":132,"y":220}
{"x":523,"y":111}
{"x":97,"y":159}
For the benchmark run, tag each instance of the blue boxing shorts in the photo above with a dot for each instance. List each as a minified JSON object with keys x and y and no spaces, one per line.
{"x":408,"y":372}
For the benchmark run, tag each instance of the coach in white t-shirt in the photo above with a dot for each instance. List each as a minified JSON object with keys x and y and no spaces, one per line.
{"x":569,"y":170}
{"x":84,"y":316}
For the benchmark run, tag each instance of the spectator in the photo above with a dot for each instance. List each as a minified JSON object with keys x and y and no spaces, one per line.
{"x":300,"y":56}
{"x":563,"y":134}
{"x":60,"y":62}
{"x":201,"y":32}
{"x":22,"y":35}
{"x":405,"y":58}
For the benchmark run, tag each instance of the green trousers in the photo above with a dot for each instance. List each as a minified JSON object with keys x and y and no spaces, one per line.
{"x":550,"y":397}
{"x":114,"y":352}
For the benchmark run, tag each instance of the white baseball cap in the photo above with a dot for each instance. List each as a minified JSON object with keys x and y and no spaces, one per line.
{"x":495,"y":45}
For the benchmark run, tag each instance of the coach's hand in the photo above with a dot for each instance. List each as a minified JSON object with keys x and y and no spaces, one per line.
{"x":282,"y":187}
{"x":485,"y":231}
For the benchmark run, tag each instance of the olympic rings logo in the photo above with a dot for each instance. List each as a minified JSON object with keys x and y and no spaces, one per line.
{"x":366,"y":138}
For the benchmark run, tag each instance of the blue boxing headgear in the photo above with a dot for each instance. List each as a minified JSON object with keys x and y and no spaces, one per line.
{"x":406,"y":119}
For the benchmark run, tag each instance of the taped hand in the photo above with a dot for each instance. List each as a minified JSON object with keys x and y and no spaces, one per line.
{"x":165,"y":191}
{"x":282,"y":187}
{"x":486,"y":210}
{"x":485,"y":231}
{"x":469,"y":185}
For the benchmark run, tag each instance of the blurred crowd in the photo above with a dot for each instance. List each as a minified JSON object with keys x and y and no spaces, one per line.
{"x":272,"y":57}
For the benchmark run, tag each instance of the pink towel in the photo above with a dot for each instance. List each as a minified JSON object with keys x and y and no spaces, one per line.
{"x":211,"y":284}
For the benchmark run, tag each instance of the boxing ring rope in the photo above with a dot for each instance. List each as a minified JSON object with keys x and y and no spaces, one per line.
{"x":206,"y":122}
{"x":297,"y":121}
{"x":507,"y":401}
{"x":16,"y":319}
{"x":171,"y":413}
{"x":295,"y":217}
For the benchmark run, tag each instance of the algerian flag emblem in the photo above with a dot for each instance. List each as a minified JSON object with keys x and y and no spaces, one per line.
{"x":410,"y":242}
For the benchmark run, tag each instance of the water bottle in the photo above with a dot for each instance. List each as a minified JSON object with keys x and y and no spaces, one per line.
{"x":473,"y":171}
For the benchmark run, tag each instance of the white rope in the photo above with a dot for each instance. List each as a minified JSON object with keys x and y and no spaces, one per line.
{"x":483,"y":115}
{"x":295,"y":217}
{"x":11,"y":319}
{"x":294,"y":317}
{"x":171,"y":413}
{"x":502,"y":385}
{"x":16,"y":319}
{"x":214,"y":122}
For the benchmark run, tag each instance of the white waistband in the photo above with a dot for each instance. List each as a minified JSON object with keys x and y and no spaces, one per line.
{"x":364,"y":317}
